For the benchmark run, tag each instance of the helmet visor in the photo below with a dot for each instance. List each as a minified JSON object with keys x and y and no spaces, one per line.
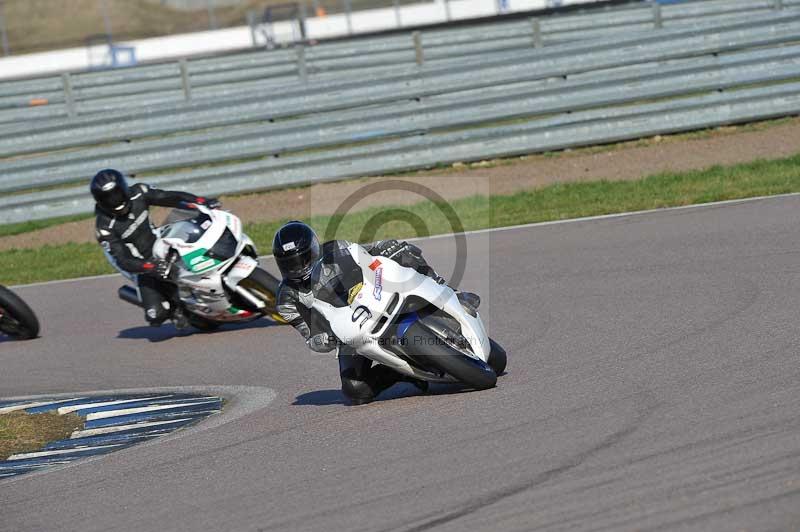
{"x":298,"y":266}
{"x":114,"y":200}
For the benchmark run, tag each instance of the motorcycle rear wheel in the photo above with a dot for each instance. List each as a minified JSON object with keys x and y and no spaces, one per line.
{"x":18,"y":319}
{"x":264,"y":286}
{"x":435,"y":352}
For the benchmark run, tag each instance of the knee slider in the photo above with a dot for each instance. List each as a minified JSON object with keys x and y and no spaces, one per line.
{"x":156,"y":315}
{"x":355,"y":389}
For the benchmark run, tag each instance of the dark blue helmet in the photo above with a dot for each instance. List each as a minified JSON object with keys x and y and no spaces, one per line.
{"x":296,"y":249}
{"x":111,"y":192}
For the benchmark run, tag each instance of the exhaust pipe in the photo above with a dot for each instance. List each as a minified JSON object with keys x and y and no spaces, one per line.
{"x":129,"y":295}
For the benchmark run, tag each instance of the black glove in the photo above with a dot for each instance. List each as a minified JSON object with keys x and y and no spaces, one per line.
{"x":213,"y":203}
{"x":387,"y":248}
{"x":161,"y":269}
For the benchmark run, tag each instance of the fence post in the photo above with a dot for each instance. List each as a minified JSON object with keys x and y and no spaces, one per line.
{"x":397,"y":17}
{"x":348,"y":12}
{"x":3,"y":30}
{"x":186,"y":83}
{"x":302,"y":71}
{"x":107,"y":20}
{"x":447,"y":15}
{"x":419,"y":53}
{"x":658,"y":22}
{"x":536,"y":27}
{"x":251,"y":22}
{"x":302,"y":20}
{"x":69,"y":97}
{"x":212,"y":15}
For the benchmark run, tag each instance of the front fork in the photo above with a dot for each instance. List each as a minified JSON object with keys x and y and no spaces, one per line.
{"x":240,"y":271}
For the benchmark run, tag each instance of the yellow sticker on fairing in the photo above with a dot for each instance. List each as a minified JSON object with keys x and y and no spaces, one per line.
{"x":351,"y":295}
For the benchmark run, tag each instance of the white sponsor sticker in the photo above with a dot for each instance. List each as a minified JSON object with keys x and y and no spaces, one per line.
{"x":289,"y":246}
{"x":206,"y":224}
{"x":108,"y":186}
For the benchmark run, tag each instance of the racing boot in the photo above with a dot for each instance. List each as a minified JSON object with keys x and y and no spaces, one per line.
{"x":180,"y":320}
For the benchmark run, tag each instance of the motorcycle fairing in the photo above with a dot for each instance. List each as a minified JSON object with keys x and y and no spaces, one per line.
{"x":202,"y":276}
{"x":372,"y":311}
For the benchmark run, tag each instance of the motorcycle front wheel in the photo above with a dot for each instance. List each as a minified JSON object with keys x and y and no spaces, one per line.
{"x":433,"y":351}
{"x":264,"y":286}
{"x":17,"y":320}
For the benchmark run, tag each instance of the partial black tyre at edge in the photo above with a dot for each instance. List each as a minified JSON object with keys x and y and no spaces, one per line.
{"x":27,"y":325}
{"x":432,"y":351}
{"x":202,"y":324}
{"x":497,"y":358}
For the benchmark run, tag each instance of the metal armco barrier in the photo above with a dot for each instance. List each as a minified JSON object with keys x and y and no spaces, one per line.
{"x":380,"y":110}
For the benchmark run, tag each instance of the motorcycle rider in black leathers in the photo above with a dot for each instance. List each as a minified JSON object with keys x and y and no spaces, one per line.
{"x":124,"y":230}
{"x":297,"y":249}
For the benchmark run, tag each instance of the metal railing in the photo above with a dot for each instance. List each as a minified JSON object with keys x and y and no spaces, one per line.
{"x":492,"y":104}
{"x":438,"y":45}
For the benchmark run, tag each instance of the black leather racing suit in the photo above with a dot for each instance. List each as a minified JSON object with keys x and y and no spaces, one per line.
{"x":128,"y":243}
{"x":361,"y":381}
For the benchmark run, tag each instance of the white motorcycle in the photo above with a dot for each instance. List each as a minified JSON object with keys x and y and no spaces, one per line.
{"x":398,"y":317}
{"x":215,"y":267}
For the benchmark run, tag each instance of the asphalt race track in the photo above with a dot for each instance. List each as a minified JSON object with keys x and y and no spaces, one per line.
{"x":653,"y":384}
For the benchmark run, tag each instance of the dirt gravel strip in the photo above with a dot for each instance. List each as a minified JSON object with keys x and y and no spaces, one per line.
{"x":627,"y":161}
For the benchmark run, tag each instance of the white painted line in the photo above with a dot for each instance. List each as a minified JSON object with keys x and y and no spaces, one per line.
{"x":15,"y":408}
{"x":74,"y":408}
{"x":110,"y":430}
{"x":140,"y":410}
{"x":45,"y":454}
{"x":495,"y":229}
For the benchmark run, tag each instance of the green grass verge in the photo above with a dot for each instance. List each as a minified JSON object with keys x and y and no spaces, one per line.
{"x":23,"y":433}
{"x":554,"y":202}
{"x":35,"y":225}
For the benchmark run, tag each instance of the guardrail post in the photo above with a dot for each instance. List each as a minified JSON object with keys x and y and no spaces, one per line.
{"x":251,"y":23}
{"x":69,"y":97}
{"x":419,"y":53}
{"x":777,"y":5}
{"x":447,"y":15}
{"x":186,"y":83}
{"x":397,"y":17}
{"x":536,"y":28}
{"x":658,"y":21}
{"x":302,"y":71}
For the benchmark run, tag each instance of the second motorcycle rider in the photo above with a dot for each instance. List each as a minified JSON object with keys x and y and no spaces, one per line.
{"x":126,"y":233}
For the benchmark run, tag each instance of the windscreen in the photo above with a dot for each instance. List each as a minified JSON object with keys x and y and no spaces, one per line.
{"x":189,"y":230}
